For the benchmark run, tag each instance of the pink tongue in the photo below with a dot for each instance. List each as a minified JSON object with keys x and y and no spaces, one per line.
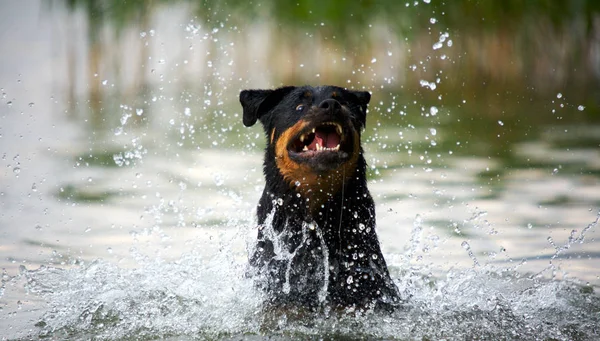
{"x":324,"y":139}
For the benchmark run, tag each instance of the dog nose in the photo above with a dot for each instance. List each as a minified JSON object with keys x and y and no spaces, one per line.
{"x":330,"y":104}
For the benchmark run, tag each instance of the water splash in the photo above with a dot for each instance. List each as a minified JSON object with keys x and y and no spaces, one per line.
{"x":200,"y":297}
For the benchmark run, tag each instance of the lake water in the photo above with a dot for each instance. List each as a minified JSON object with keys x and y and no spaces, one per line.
{"x":129,"y":184}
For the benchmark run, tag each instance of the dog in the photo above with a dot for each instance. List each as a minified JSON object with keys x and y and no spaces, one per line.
{"x":316,"y":244}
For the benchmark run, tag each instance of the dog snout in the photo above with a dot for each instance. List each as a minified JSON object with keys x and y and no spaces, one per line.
{"x":330,"y":104}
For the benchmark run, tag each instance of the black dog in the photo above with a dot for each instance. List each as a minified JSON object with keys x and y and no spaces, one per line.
{"x":316,"y":240}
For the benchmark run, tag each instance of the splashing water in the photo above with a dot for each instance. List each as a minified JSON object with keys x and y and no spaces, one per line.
{"x":201,"y":297}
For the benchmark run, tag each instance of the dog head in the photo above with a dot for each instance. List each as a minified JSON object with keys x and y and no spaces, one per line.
{"x":313,"y":132}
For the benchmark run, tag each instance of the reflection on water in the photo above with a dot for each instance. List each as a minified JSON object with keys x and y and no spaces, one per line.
{"x":129,"y":177}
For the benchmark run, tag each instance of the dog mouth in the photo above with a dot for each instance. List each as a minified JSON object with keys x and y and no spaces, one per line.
{"x":326,"y":137}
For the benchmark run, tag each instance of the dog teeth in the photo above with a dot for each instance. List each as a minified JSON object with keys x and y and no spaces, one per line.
{"x":302,"y":137}
{"x":320,"y":148}
{"x":305,"y":149}
{"x":313,"y":130}
{"x":338,"y":130}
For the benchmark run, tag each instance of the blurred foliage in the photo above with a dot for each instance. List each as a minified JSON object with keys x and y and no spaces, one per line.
{"x":347,"y":17}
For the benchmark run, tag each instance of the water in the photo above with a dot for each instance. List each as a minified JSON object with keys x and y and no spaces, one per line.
{"x":128,"y":189}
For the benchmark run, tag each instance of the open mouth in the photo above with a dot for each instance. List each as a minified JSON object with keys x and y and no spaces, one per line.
{"x":325,"y":137}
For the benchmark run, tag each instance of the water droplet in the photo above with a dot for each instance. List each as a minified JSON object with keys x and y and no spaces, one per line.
{"x":31,"y":104}
{"x":374,"y":60}
{"x":104,"y":82}
{"x":349,"y":280}
{"x":38,"y":227}
{"x":581,"y":108}
{"x":433,"y":131}
{"x":139,"y":111}
{"x":433,"y":110}
{"x":109,"y":250}
{"x":529,"y":225}
{"x":88,"y":229}
{"x":187,"y":112}
{"x":465,"y":245}
{"x":559,"y":95}
{"x":433,"y":20}
{"x":34,"y":187}
{"x":501,"y":123}
{"x":17,"y":170}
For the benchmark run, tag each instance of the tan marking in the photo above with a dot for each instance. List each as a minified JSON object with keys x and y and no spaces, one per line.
{"x":272,"y":135}
{"x":317,"y":187}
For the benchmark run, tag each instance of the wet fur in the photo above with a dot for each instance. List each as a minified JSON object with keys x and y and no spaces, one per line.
{"x":322,"y":251}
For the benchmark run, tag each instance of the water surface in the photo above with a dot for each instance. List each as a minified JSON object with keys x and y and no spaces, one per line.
{"x":129,"y":184}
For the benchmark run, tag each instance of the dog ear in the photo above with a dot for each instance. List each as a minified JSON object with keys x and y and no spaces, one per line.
{"x":363,"y":98}
{"x":259,"y":102}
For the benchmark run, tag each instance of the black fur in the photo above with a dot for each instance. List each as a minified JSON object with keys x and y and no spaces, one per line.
{"x":324,"y":256}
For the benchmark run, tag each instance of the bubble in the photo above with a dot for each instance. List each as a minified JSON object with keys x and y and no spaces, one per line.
{"x":581,"y":108}
{"x":559,"y":95}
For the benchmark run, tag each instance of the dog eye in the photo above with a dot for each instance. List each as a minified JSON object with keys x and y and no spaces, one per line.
{"x":300,"y":107}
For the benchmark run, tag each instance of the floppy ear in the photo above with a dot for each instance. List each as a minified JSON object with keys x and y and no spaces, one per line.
{"x":258,"y":102}
{"x":363,"y":98}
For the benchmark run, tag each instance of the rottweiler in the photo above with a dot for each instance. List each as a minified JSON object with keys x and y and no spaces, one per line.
{"x":316,"y":245}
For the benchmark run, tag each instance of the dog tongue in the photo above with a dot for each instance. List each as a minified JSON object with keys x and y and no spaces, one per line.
{"x":324,"y":139}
